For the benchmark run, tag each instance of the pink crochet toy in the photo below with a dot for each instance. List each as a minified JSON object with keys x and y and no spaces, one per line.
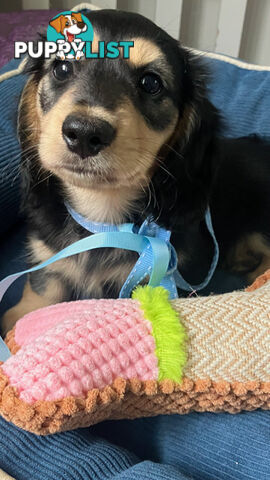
{"x":75,"y":364}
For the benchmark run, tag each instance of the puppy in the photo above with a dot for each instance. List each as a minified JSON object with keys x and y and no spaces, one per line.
{"x":123,"y":139}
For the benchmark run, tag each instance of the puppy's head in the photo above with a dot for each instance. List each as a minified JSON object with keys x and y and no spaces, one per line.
{"x":100,"y":123}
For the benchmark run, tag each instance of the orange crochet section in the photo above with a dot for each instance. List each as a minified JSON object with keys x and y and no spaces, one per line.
{"x":259,"y":282}
{"x":131,"y":399}
{"x":10,"y":341}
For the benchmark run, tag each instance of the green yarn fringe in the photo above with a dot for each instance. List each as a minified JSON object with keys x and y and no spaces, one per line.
{"x":168,"y":331}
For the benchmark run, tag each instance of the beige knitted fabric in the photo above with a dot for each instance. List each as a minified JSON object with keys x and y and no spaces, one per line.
{"x":229,"y":336}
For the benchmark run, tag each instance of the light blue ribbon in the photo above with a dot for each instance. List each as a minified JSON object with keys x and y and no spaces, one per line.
{"x":157,"y":260}
{"x":143,"y":267}
{"x":4,"y":351}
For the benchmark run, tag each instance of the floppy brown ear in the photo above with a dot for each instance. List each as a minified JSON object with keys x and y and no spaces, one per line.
{"x":57,"y":23}
{"x":77,"y":16}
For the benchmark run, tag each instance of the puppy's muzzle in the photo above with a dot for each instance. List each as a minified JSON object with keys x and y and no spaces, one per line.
{"x":87,"y":136}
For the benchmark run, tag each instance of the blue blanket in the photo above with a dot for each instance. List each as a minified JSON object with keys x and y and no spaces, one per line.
{"x":198,"y":446}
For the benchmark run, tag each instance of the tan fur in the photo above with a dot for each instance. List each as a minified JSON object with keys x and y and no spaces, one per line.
{"x":29,"y":110}
{"x":121,"y":171}
{"x":40,"y":252}
{"x":144,"y":52}
{"x":76,"y":271}
{"x":262,"y":247}
{"x":97,"y":111}
{"x":186,"y":123}
{"x":251,"y":255}
{"x":123,"y":167}
{"x":31,"y":301}
{"x":107,"y":205}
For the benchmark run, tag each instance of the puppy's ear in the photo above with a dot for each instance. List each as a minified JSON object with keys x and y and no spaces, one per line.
{"x":34,"y":65}
{"x":27,"y":125}
{"x":199,"y":121}
{"x":188,"y":155}
{"x":57,"y":23}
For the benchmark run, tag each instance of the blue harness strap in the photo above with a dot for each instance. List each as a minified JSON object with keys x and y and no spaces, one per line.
{"x":157,"y":257}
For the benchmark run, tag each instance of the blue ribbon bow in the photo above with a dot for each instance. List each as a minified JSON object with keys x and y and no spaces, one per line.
{"x":158,"y":251}
{"x":157,"y":257}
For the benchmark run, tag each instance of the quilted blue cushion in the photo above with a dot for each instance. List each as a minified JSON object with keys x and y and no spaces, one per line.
{"x":242,"y":93}
{"x":10,"y":91}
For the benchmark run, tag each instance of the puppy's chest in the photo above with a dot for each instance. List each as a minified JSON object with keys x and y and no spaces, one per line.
{"x":104,"y":271}
{"x":100,"y":272}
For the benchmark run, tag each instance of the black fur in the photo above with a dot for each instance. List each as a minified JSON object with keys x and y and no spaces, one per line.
{"x":232,"y":176}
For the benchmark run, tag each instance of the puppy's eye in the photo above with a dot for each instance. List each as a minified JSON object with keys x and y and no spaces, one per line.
{"x":151,"y":83}
{"x":63,"y":70}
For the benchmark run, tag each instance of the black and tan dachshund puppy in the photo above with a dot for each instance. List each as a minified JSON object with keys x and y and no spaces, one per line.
{"x":123,"y":139}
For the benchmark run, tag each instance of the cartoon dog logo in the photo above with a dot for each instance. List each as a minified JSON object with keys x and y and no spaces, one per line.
{"x":69,"y":26}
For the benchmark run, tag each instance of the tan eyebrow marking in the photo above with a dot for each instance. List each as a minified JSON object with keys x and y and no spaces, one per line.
{"x":144,"y":52}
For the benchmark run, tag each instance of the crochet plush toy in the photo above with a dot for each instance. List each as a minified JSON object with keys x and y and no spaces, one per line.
{"x":78,"y":363}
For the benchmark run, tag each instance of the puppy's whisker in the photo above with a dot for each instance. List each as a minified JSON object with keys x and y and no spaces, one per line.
{"x":150,"y":141}
{"x":161,"y":165}
{"x":150,"y":154}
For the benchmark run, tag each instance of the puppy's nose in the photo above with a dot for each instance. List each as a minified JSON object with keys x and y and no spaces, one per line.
{"x":87,"y":136}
